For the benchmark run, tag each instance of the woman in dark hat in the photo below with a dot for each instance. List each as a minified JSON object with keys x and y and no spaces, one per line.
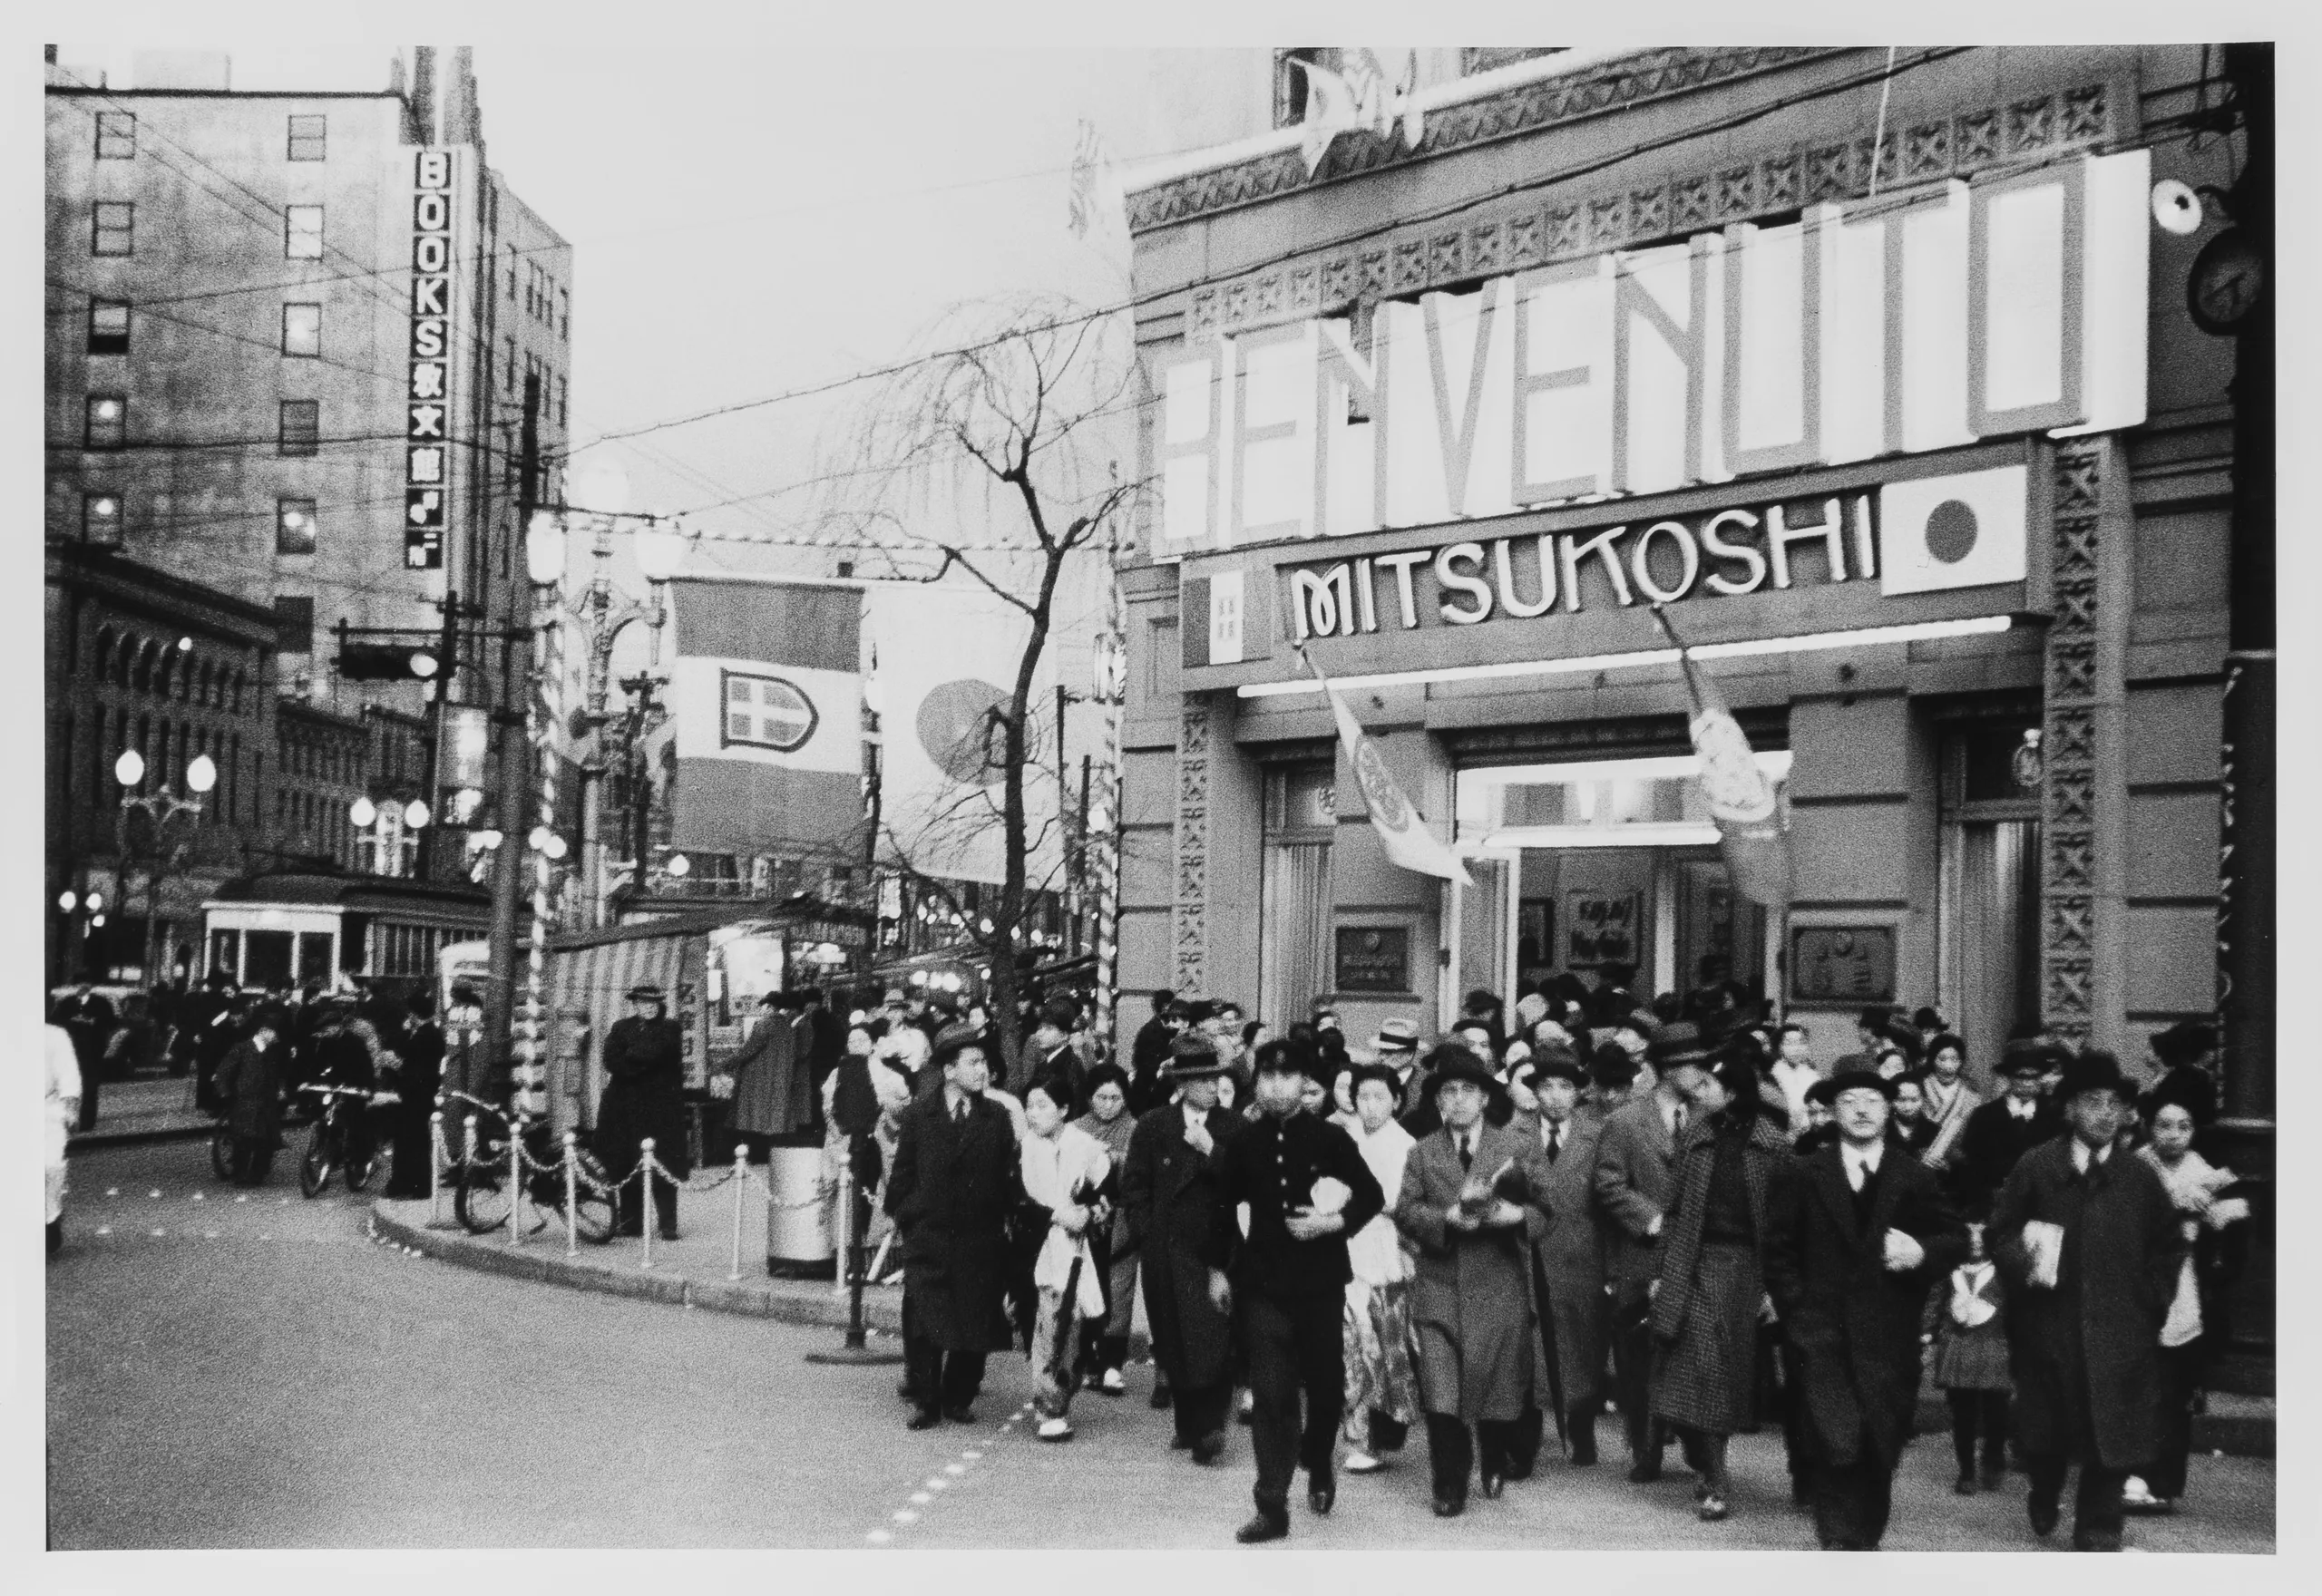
{"x":644,"y":1096}
{"x":2088,"y":1236}
{"x":1704,"y":1317}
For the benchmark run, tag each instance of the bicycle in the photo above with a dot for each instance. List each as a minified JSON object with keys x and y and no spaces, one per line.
{"x":327,"y":1145}
{"x":482,"y":1202}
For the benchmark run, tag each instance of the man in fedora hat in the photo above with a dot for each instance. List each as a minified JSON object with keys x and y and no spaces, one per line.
{"x":1859,"y":1232}
{"x":1173,"y":1193}
{"x":2088,"y":1236}
{"x":1471,"y":1191}
{"x":1397,"y":1045}
{"x":2004,"y":1129}
{"x":644,"y":1096}
{"x":1634,"y":1186}
{"x":1568,"y":1251}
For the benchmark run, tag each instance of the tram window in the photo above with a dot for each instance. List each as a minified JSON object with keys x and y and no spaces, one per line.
{"x":314,"y":958}
{"x":267,"y":957}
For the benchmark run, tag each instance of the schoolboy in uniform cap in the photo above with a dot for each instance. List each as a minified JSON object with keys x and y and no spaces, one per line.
{"x":2088,"y":1238}
{"x":1308,"y":1190}
{"x":1179,"y":1219}
{"x":2004,"y":1129}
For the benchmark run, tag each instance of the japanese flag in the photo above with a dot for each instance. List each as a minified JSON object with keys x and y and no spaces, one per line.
{"x":1966,"y":530}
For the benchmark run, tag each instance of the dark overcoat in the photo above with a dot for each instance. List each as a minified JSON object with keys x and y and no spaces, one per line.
{"x":1989,"y":1146}
{"x":2086,"y":1352}
{"x":644,"y":1096}
{"x":1853,"y":1324}
{"x":770,"y":1078}
{"x":1471,"y":1296}
{"x":1569,"y":1251}
{"x":1703,"y":1315}
{"x":949,"y":1193}
{"x":1182,"y":1228}
{"x":250,"y":1081}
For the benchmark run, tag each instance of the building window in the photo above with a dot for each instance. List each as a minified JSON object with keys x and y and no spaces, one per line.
{"x":105,"y":421}
{"x":563,"y":414}
{"x":512,"y":358}
{"x":302,"y":330}
{"x":306,"y":138}
{"x":108,"y":327}
{"x":116,"y":135}
{"x":294,"y":624}
{"x":294,"y":526}
{"x":301,"y":426}
{"x":564,"y":313}
{"x":512,"y":274}
{"x":116,"y":228}
{"x":101,"y":520}
{"x":1291,"y":83}
{"x":302,"y":232}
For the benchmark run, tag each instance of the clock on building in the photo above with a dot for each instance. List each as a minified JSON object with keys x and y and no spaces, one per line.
{"x":2228,"y":280}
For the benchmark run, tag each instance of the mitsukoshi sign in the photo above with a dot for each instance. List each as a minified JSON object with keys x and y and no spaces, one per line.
{"x":1926,"y":320}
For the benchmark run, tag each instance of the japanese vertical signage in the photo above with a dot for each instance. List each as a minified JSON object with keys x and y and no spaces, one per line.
{"x":428,"y":457}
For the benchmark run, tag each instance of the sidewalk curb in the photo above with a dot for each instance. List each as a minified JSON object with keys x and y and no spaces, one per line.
{"x":92,"y":1140}
{"x":805,"y":1303}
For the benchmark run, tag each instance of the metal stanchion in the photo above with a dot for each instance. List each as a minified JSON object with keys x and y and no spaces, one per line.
{"x":572,"y":1194}
{"x":515,"y":1182}
{"x":435,"y":1168}
{"x":857,"y":1350}
{"x":741,"y":1183}
{"x":645,"y":1204}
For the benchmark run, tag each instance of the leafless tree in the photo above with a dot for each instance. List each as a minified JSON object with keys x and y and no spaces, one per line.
{"x":997,"y":458}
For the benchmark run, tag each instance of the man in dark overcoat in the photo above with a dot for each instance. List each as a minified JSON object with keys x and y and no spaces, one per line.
{"x":644,"y":1096}
{"x":1172,"y":1190}
{"x":2087,"y":1236}
{"x":1634,"y":1186}
{"x":2004,"y":1129}
{"x":1468,"y":1189}
{"x":250,"y":1083}
{"x":954,"y":1181}
{"x":1858,"y":1234}
{"x":419,"y":1078}
{"x":1568,"y":1251}
{"x":1289,"y":1278}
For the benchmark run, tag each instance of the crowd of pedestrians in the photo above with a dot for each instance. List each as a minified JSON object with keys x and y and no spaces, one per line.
{"x":1674,"y":1208}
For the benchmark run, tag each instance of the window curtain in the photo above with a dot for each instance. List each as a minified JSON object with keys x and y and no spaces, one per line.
{"x":1296,"y":909}
{"x":1997,"y":938}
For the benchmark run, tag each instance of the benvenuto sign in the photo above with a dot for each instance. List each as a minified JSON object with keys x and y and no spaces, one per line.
{"x":1923,"y":321}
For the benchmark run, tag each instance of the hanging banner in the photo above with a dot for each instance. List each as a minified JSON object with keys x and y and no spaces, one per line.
{"x":1401,"y":828}
{"x":427,"y":408}
{"x":1753,"y":826}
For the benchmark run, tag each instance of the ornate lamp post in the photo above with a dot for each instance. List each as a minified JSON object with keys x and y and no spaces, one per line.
{"x":161,"y":808}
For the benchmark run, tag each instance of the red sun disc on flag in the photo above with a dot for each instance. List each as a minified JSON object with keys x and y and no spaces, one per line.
{"x":955,"y":726}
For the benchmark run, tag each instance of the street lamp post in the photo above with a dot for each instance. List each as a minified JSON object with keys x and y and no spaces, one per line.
{"x":160,"y":808}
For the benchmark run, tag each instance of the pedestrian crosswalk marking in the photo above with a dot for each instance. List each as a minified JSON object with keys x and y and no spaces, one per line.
{"x":904,"y":1515}
{"x":920,"y":1498}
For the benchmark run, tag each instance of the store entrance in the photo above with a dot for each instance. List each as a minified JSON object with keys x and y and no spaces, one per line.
{"x":1580,"y":866}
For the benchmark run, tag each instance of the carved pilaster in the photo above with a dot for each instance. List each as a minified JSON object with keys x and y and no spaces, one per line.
{"x":1189,"y":912}
{"x":2083,"y":698}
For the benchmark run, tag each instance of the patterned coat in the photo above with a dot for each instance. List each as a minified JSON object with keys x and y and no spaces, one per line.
{"x":2086,"y":1352}
{"x":1852,"y":1323}
{"x":1703,"y":1375}
{"x":1471,"y":1298}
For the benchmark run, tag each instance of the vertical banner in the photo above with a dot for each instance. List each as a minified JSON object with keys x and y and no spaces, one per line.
{"x":1752,"y":827}
{"x":427,"y":432}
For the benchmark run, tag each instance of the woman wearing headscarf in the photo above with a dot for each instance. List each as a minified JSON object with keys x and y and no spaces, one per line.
{"x":1382,"y":1392}
{"x":1710,"y":1292}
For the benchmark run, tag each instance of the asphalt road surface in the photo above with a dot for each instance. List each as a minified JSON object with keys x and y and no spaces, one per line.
{"x":231,"y":1369}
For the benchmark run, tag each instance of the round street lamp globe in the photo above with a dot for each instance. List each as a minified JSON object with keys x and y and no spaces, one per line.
{"x":679,"y":866}
{"x":659,"y":552}
{"x":96,"y":920}
{"x":130,"y":768}
{"x":364,"y":813}
{"x":202,"y":775}
{"x":414,"y":813}
{"x":538,"y":841}
{"x":96,"y":905}
{"x":545,"y":549}
{"x":555,"y":847}
{"x":65,"y":902}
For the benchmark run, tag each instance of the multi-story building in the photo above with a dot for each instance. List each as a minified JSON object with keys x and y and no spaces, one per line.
{"x":288,"y":334}
{"x":1877,"y":375}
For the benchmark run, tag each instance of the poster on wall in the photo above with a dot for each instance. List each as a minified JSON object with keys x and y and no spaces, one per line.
{"x":1601,"y":929}
{"x":1843,"y":965}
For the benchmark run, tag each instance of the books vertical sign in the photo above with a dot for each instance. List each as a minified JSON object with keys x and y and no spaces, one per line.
{"x":427,"y":443}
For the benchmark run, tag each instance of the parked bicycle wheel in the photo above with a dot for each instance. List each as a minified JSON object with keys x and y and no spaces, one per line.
{"x":481,"y":1200}
{"x":359,"y":1176}
{"x":593,"y":1213}
{"x":314,"y":1168}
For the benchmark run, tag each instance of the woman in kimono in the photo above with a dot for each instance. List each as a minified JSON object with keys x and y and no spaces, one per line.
{"x":1068,"y":1179}
{"x":1382,"y":1392}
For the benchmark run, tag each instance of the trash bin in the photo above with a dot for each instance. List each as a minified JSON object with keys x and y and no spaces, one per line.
{"x":798,"y":1242}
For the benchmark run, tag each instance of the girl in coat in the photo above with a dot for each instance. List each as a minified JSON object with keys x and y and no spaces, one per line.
{"x":1382,"y":1392}
{"x":1967,"y":1321}
{"x":1712,"y":1292}
{"x":1068,"y":1179}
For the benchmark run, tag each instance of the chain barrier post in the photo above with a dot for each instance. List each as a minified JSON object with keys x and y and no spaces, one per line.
{"x":741,"y":1191}
{"x":572,"y":1194}
{"x":515,"y":1181}
{"x":436,"y":1167}
{"x":857,"y":1350}
{"x":646,"y":1206}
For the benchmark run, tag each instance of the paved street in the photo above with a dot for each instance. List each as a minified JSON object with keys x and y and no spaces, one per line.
{"x":261,"y":1373}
